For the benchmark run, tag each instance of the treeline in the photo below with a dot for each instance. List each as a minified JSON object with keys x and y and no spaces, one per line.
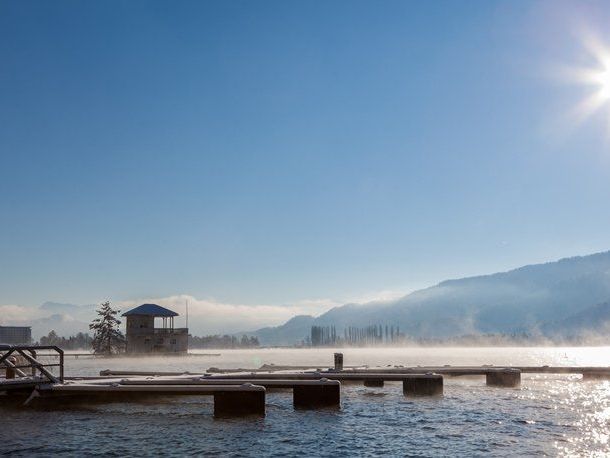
{"x":323,"y":335}
{"x":81,"y":341}
{"x":374,"y":334}
{"x":226,"y":341}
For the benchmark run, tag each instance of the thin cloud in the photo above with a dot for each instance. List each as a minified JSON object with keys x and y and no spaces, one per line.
{"x":211,"y":316}
{"x":11,"y":313}
{"x":206,"y":316}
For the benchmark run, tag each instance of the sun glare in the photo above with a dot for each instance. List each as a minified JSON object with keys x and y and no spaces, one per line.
{"x":604,"y":83}
{"x":597,"y":77}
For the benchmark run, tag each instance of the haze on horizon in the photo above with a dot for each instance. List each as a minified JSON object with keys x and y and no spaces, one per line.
{"x":281,"y":158}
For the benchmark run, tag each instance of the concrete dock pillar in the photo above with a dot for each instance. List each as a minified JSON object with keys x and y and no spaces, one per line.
{"x":237,"y":403}
{"x":311,"y":396}
{"x":338,"y":361}
{"x":507,"y":378}
{"x":423,"y":385}
{"x":373,"y":382}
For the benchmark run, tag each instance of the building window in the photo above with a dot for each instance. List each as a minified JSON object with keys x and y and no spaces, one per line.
{"x":173,"y":341}
{"x":159,"y":342}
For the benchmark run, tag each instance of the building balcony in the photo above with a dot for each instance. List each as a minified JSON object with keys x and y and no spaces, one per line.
{"x":156,"y":331}
{"x":171,"y":330}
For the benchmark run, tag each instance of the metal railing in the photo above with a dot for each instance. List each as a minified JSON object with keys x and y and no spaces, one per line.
{"x":14,"y":358}
{"x":156,"y":331}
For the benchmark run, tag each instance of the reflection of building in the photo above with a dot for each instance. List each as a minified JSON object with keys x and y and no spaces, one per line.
{"x":143,"y":337}
{"x":15,"y":335}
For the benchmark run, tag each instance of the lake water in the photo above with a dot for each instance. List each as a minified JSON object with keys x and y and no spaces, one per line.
{"x":549,"y":414}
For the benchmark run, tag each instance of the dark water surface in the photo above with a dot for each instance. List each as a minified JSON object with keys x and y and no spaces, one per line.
{"x":548,"y":415}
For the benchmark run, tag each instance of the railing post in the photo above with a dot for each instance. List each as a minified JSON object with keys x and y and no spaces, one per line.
{"x":33,"y":354}
{"x":10,"y":370}
{"x":61,"y":364}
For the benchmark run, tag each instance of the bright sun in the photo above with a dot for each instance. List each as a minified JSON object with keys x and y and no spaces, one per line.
{"x":604,"y":84}
{"x":596,"y":76}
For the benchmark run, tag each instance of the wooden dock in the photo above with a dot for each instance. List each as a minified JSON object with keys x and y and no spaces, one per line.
{"x":240,"y":392}
{"x":306,"y":393}
{"x":231,"y":397}
{"x":234,"y":399}
{"x":395,"y":373}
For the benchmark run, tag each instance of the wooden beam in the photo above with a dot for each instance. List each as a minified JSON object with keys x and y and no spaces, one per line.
{"x":39,"y":366}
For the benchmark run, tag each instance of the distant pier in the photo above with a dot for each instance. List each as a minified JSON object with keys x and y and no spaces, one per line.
{"x":156,"y":355}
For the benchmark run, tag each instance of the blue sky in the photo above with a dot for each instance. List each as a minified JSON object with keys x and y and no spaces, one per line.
{"x":275,"y":152}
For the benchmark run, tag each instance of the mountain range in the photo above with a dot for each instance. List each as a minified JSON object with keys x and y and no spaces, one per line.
{"x":565,"y":298}
{"x":568,"y":297}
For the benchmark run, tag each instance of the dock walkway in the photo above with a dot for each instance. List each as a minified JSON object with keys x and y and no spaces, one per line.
{"x":239,"y":392}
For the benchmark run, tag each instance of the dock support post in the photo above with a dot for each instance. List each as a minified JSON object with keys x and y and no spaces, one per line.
{"x":314,"y":396}
{"x":507,"y":378}
{"x":423,"y":385}
{"x":375,"y":382}
{"x":338,"y":361}
{"x":236,"y":403}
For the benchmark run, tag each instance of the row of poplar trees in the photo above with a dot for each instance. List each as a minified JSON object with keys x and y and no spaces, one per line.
{"x":373,"y":334}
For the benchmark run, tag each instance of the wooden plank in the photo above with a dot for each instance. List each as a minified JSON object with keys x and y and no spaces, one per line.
{"x":482,"y":370}
{"x":387,"y":373}
{"x":83,"y":388}
{"x":221,"y":382}
{"x":112,"y":373}
{"x":340,"y":376}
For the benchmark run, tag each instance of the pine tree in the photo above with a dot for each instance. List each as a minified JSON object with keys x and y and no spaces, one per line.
{"x":107,"y":337}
